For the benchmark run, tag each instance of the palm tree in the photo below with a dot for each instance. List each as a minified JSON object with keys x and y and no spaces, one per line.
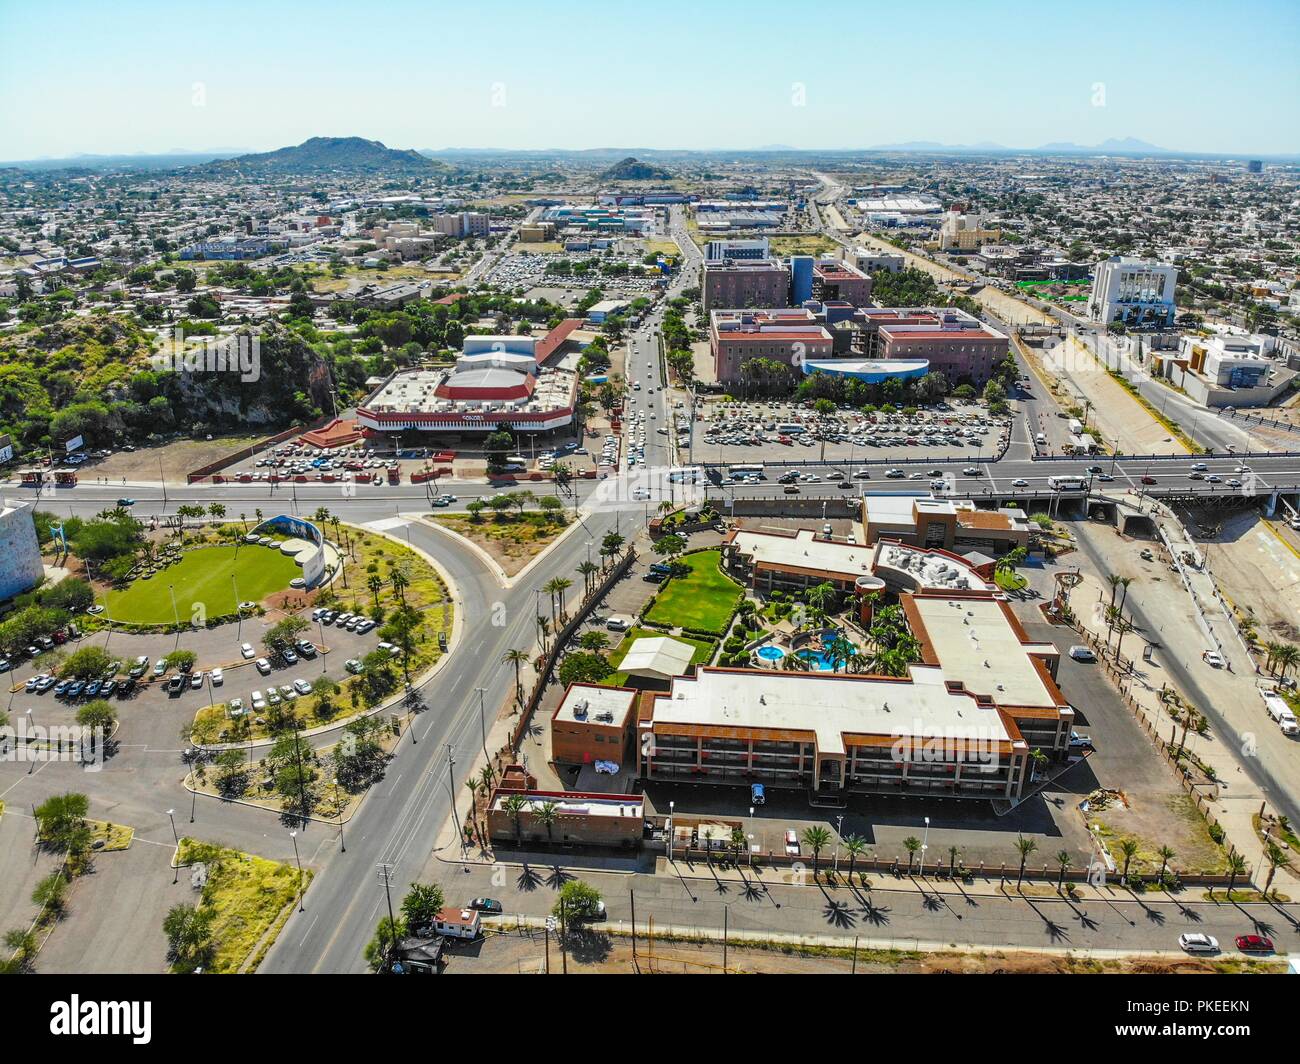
{"x":513,"y":807}
{"x":562,"y":584}
{"x":1166,"y":854}
{"x":588,"y":571}
{"x":400,"y":582}
{"x":1114,"y":580}
{"x":1288,"y":657}
{"x":911,"y":844}
{"x":854,"y":845}
{"x":1236,"y":867}
{"x":1025,"y":847}
{"x":816,"y":838}
{"x":1276,"y":857}
{"x":1062,"y":859}
{"x":516,"y":658}
{"x":376,"y":584}
{"x":1129,"y":848}
{"x":953,"y":853}
{"x":551,"y":587}
{"x":1271,"y":648}
{"x":547,"y":813}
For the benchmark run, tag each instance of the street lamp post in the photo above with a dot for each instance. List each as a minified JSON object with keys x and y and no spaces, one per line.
{"x":294,"y":836}
{"x":839,"y":833}
{"x":925,"y":845}
{"x":482,"y":719}
{"x":671,"y":806}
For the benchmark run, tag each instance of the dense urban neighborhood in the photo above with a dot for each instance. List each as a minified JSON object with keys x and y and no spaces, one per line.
{"x":657,"y":560}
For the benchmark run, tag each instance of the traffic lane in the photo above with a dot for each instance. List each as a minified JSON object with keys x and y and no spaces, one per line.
{"x":767,"y":902}
{"x":1273,"y":768}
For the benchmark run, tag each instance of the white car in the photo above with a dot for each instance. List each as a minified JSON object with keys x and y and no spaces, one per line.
{"x":263,"y":666}
{"x":246,"y":650}
{"x":259,"y":702}
{"x":217,"y":677}
{"x":1195,"y":942}
{"x":302,"y":687}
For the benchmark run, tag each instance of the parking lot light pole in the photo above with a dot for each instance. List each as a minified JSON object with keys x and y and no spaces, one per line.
{"x":176,"y":861}
{"x":31,"y":736}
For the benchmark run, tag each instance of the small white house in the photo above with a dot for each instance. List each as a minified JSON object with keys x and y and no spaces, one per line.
{"x":458,"y":923}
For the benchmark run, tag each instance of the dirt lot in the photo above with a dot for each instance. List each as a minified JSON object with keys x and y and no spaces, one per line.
{"x":601,"y":954}
{"x":177,"y":458}
{"x":1257,"y":566}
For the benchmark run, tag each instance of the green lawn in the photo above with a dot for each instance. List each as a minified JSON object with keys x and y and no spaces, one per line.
{"x":203,"y":577}
{"x":703,"y":652}
{"x":1010,"y":581}
{"x":703,"y":600}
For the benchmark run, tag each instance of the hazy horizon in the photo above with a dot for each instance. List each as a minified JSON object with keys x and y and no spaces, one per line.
{"x":143,"y":77}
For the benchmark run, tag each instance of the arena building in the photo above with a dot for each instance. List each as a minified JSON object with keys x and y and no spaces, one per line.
{"x":522,"y":381}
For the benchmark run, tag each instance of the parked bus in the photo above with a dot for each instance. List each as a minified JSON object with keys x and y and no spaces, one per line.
{"x":790,"y":428}
{"x":686,"y":475}
{"x":736,"y":472}
{"x":1067,"y":483}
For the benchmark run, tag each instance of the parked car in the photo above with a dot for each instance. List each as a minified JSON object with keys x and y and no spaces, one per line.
{"x":1195,"y":942}
{"x":246,"y":650}
{"x":218,"y":677}
{"x":1254,"y":943}
{"x":258,"y":700}
{"x":757,"y":794}
{"x":792,"y":842}
{"x":353,"y":665}
{"x":160,"y":666}
{"x":486,"y":905}
{"x":306,"y":649}
{"x":1082,"y":653}
{"x":263,"y":666}
{"x":302,"y":687}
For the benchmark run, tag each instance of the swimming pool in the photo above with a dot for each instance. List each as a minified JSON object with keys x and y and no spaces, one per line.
{"x":770,"y":653}
{"x":818,"y":659}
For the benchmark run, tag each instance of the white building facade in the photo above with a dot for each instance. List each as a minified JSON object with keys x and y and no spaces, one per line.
{"x":1133,"y":291}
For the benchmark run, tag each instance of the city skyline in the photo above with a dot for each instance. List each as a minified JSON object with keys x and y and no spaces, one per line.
{"x":445,"y":81}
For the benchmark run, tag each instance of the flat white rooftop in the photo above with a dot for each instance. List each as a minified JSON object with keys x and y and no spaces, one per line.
{"x":830,"y":705}
{"x":586,"y":702}
{"x":976,"y":644}
{"x":805,"y":550}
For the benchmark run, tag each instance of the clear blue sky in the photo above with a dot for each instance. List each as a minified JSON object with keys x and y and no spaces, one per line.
{"x":123,"y":76}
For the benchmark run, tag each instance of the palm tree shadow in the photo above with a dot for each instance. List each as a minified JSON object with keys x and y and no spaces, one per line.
{"x":558,"y":877}
{"x":838,"y":914}
{"x":752,"y":891}
{"x":529,"y":879}
{"x":1056,"y":932}
{"x":876,"y":915}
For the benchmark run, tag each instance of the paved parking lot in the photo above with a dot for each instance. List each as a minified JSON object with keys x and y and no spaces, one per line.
{"x":215,"y":647}
{"x":783,"y":434}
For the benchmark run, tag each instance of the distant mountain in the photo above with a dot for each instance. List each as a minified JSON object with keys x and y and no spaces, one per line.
{"x":321,"y":154}
{"x":1121,"y":145}
{"x":633,"y":169}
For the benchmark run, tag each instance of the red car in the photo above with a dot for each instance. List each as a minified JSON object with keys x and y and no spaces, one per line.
{"x":1148,"y":479}
{"x":1254,"y":944}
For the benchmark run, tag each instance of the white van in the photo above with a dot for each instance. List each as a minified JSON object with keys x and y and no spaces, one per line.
{"x":619,"y":623}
